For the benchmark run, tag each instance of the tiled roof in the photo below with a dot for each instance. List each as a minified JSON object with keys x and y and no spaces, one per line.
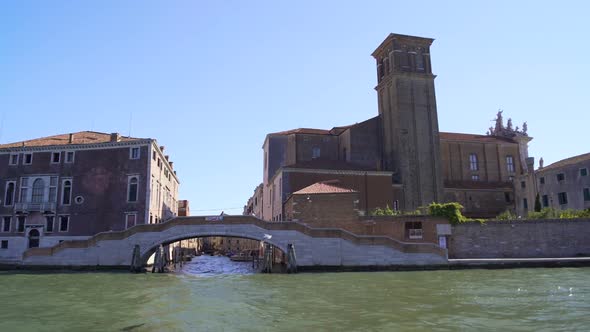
{"x":303,"y":131}
{"x":323,"y":188}
{"x":331,"y":164}
{"x":567,"y":161}
{"x":473,"y":137}
{"x":82,"y":137}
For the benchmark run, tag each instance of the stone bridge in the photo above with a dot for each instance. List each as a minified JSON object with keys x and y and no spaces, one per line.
{"x":315,"y":247}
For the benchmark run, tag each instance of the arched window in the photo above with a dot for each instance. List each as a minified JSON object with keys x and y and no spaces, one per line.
{"x":9,"y":198}
{"x":66,"y":197}
{"x":38,"y":191}
{"x":132,"y":189}
{"x":473,"y":162}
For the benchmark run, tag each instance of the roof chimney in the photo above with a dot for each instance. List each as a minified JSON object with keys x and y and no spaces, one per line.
{"x":166,"y":156}
{"x":71,"y":138}
{"x":115,"y":137}
{"x":162,"y":148}
{"x":171,"y":164}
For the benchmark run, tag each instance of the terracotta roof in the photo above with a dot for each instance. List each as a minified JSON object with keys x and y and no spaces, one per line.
{"x":331,"y":164}
{"x":303,"y":131}
{"x":473,"y":137}
{"x":323,"y":188}
{"x":82,"y":137}
{"x":567,"y":161}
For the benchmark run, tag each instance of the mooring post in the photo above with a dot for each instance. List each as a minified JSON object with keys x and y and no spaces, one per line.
{"x":291,"y":259}
{"x":136,"y":265}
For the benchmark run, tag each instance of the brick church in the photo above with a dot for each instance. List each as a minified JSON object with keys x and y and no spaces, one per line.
{"x":398,"y":158}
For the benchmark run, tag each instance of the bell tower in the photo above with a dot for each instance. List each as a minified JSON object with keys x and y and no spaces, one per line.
{"x":409,"y":120}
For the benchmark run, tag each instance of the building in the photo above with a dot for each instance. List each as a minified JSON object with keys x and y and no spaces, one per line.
{"x":399,"y":158}
{"x":73,"y":186}
{"x":183,"y":208}
{"x":564,"y":184}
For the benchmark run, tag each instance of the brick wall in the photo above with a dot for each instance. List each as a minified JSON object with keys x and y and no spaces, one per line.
{"x":521,"y":239}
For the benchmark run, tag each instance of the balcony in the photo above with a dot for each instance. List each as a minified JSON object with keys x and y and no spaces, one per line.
{"x":34,"y":207}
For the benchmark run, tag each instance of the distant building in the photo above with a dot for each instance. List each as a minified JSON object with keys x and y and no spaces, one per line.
{"x":74,"y":186}
{"x":255,"y":203}
{"x":398,"y":158}
{"x":183,"y":208}
{"x":565,"y":184}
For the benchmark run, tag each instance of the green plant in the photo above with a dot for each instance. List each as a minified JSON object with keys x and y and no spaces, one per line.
{"x":451,"y":211}
{"x":545,"y":213}
{"x":507,"y":215}
{"x":538,"y":203}
{"x":384,"y":212}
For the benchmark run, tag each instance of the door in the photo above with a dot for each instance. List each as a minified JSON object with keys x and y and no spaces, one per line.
{"x":34,"y":238}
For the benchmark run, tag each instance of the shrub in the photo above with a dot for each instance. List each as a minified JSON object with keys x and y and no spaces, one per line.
{"x":538,"y":207}
{"x":384,"y":212}
{"x":507,"y":215}
{"x":451,"y":211}
{"x":545,"y":213}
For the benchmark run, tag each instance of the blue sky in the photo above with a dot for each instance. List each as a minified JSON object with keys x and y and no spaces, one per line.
{"x":209,"y":79}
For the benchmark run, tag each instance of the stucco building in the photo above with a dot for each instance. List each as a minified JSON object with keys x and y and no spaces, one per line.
{"x":399,"y":158}
{"x":73,"y":186}
{"x":565,"y":184}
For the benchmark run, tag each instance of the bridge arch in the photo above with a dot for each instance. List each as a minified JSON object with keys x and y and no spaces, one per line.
{"x":146,"y":253}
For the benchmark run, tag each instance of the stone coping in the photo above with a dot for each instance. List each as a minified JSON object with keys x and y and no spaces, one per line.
{"x":523,"y":222}
{"x":405,"y":247}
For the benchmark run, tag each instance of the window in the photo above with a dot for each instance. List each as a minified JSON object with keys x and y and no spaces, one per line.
{"x":583,"y":172}
{"x":4,"y":244}
{"x":560,"y":177}
{"x":6,"y":224}
{"x":13,"y":160}
{"x":130,"y":220}
{"x":542,"y":180}
{"x":475,"y":177}
{"x":154,"y":155}
{"x":419,"y":62}
{"x":315,"y":153}
{"x":525,"y":204}
{"x":27,"y":158}
{"x":473,"y":163}
{"x":69,"y":157}
{"x":24,"y":190}
{"x":55,"y":157}
{"x":507,"y":197}
{"x":49,"y":224}
{"x":522,"y":184}
{"x":20,"y":226}
{"x":132,"y":187}
{"x":66,"y":194}
{"x":9,"y":194}
{"x":64,"y":223}
{"x":38,"y":191}
{"x":510,"y":164}
{"x":545,"y":201}
{"x":53,"y":189}
{"x":586,"y":194}
{"x":414,"y":230}
{"x":562,"y":197}
{"x":134,"y":153}
{"x":396,"y":205}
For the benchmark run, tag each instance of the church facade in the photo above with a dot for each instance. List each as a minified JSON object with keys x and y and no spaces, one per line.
{"x":398,"y":159}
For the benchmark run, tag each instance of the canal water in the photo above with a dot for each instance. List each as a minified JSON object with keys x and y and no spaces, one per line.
{"x":200,"y":298}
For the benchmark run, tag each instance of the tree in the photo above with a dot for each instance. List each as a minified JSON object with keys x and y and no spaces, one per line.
{"x":538,"y":207}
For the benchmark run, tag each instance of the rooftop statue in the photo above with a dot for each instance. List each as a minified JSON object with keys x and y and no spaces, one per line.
{"x":508,"y":130}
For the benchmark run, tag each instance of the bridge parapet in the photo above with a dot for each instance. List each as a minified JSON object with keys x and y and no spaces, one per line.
{"x":116,"y":244}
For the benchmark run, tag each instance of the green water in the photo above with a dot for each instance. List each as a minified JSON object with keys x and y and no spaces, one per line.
{"x":490,"y":300}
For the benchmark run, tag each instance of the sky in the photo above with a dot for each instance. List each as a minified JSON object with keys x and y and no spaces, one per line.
{"x":209,"y":79}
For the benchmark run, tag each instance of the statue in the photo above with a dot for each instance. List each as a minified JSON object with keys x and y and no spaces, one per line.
{"x":516,"y":129}
{"x":525,"y":128}
{"x":499,"y":122}
{"x":509,"y":125}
